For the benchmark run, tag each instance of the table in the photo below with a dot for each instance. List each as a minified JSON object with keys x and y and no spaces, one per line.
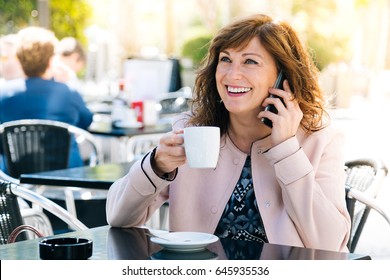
{"x":98,"y":177}
{"x":106,"y":129}
{"x":133,"y":244}
{"x":114,"y":141}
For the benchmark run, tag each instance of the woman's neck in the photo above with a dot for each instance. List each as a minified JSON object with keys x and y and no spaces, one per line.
{"x":243,"y":133}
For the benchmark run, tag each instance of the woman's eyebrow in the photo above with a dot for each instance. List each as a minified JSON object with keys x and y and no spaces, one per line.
{"x":255,"y":54}
{"x":262,"y":57}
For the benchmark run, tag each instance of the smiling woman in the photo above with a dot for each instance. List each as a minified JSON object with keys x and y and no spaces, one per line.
{"x":282,"y":185}
{"x":243,"y":78}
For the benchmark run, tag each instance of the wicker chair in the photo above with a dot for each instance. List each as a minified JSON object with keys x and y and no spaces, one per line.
{"x":363,"y":182}
{"x":11,"y":216}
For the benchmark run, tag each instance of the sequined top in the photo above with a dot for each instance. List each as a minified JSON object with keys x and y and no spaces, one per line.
{"x":241,"y":218}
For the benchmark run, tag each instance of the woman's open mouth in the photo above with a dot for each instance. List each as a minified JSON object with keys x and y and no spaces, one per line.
{"x":237,"y":90}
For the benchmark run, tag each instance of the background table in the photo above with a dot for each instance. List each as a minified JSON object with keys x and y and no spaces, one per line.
{"x":114,"y":141}
{"x":92,"y":212}
{"x":106,"y":129}
{"x":98,"y":177}
{"x":133,"y":244}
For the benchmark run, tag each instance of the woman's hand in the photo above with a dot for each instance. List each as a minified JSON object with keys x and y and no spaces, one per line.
{"x":170,"y":153}
{"x":284,"y":124}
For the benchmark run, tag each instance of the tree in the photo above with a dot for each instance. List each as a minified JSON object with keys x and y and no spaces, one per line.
{"x":324,"y":39}
{"x":70,"y":17}
{"x":15,"y":15}
{"x":67,"y":17}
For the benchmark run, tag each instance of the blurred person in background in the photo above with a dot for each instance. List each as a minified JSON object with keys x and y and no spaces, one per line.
{"x":39,"y":96}
{"x":70,"y":60}
{"x":10,"y":67}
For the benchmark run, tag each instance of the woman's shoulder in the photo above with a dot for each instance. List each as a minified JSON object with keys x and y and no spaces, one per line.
{"x":328,"y":133}
{"x":180,"y":121}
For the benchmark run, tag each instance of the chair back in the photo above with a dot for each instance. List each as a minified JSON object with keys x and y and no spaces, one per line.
{"x":36,"y":145}
{"x":10,"y":215}
{"x":31,"y":146}
{"x":363,"y":176}
{"x":139,"y":145}
{"x":89,"y":148}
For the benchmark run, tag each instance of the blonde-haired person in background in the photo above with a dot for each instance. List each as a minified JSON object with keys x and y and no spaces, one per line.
{"x":282,"y":185}
{"x":39,"y":96}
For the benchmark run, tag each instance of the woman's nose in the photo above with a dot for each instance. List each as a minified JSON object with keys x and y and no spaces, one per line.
{"x":234,"y":71}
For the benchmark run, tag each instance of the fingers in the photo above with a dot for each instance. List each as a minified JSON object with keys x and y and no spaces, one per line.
{"x":172,"y":138}
{"x":285,"y":100}
{"x":289,"y":113}
{"x":170,"y":152}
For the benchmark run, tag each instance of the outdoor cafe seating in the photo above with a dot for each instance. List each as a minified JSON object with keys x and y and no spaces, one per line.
{"x":31,"y":146}
{"x":365,"y":178}
{"x":11,"y":215}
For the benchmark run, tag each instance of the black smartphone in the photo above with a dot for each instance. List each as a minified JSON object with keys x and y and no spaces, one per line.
{"x":279,"y":85}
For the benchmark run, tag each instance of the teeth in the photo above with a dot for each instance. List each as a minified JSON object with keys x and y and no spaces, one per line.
{"x":239,"y":89}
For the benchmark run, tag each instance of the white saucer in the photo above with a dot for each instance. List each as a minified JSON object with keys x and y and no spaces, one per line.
{"x":184,"y":241}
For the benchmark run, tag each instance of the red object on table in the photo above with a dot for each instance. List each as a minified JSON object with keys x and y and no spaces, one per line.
{"x":138,"y":106}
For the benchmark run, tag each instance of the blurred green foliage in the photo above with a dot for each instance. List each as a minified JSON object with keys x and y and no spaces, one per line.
{"x":70,"y":18}
{"x":196,"y":48}
{"x":327,"y":45}
{"x":67,"y":17}
{"x":15,"y":15}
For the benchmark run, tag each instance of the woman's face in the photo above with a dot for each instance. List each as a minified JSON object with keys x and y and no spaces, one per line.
{"x":244,"y":76}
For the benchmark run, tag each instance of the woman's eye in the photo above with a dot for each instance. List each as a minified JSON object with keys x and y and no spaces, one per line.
{"x":250,"y":61}
{"x":224,"y":59}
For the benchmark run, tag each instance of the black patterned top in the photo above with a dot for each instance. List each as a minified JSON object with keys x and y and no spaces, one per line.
{"x":241,"y":218}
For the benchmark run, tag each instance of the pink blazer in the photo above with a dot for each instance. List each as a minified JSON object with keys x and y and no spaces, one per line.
{"x":299,"y":188}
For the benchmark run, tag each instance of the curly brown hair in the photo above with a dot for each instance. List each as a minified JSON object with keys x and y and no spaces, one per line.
{"x":35,"y":48}
{"x":291,"y":56}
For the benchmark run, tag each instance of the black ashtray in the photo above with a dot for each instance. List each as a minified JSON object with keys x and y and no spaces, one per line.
{"x":68,"y":248}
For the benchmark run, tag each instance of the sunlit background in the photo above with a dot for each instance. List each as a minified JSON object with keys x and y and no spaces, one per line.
{"x":349,"y":40}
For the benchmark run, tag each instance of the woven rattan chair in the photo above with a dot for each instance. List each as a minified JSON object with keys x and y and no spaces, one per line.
{"x":11,"y":216}
{"x":363,"y":182}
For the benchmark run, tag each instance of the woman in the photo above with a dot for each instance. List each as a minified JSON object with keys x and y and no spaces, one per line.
{"x":281,"y":185}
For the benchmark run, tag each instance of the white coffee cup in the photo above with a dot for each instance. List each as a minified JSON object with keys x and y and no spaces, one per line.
{"x":201,"y":144}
